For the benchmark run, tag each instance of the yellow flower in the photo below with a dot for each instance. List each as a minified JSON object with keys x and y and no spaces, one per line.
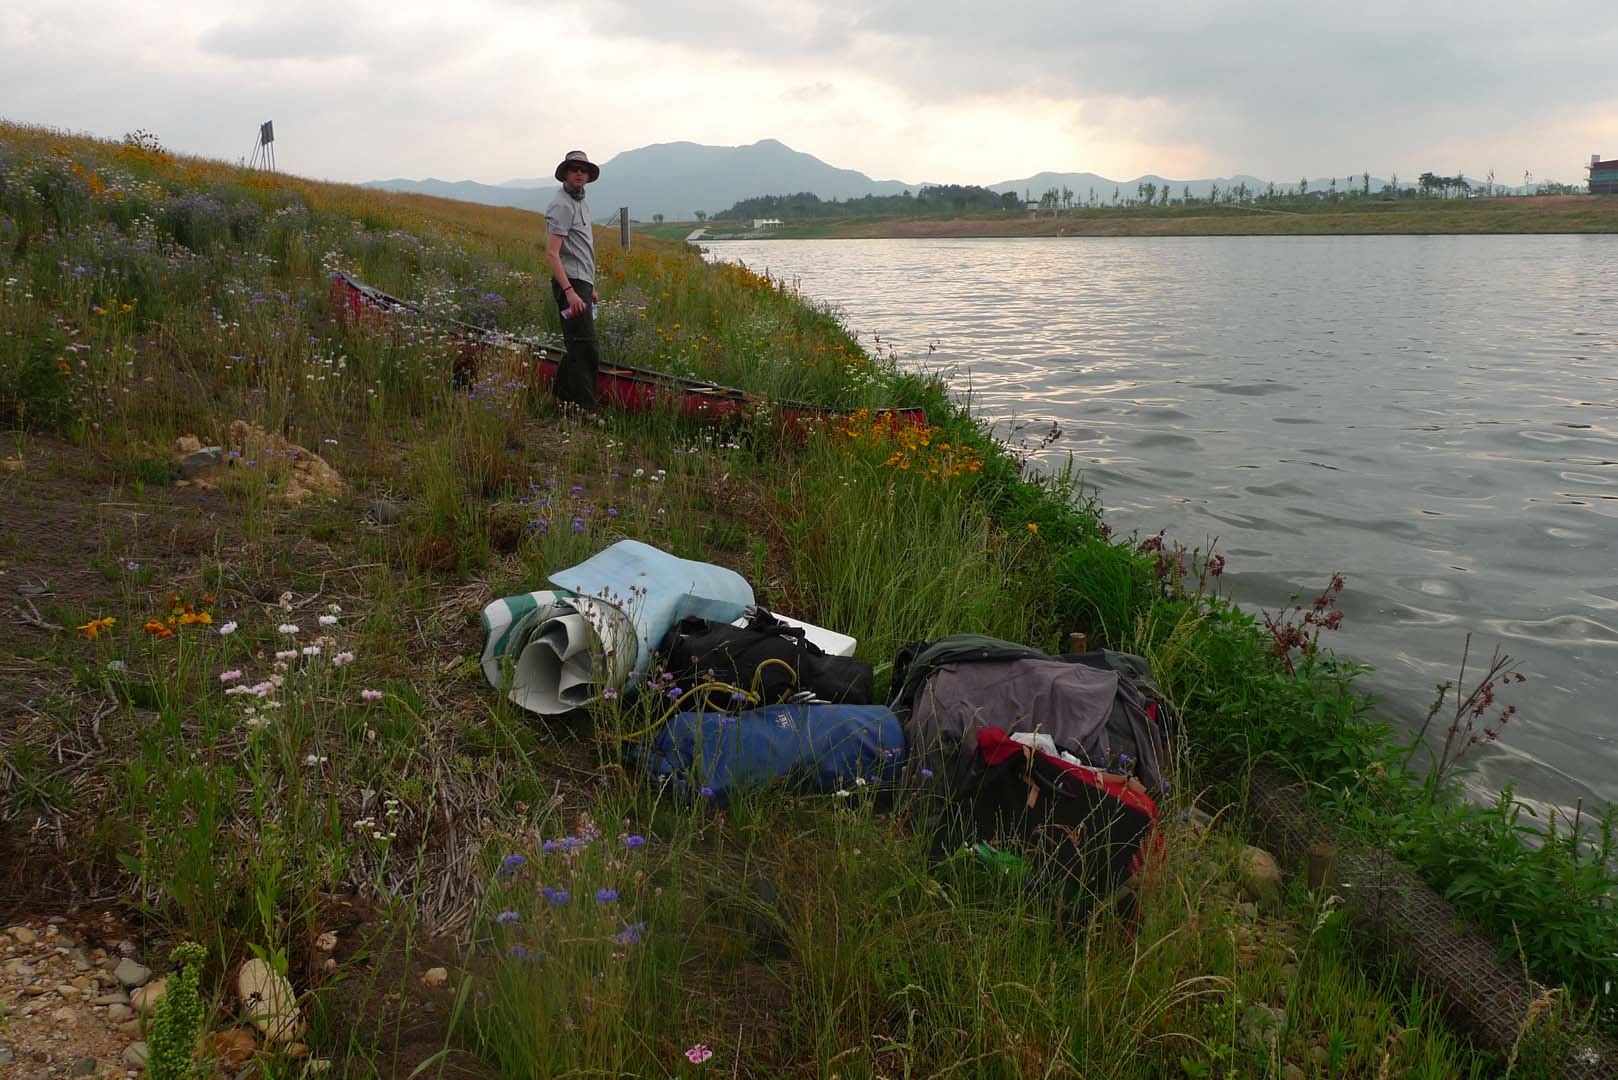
{"x":157,"y":629}
{"x":1032,"y":527}
{"x":94,"y":627}
{"x":191,"y":617}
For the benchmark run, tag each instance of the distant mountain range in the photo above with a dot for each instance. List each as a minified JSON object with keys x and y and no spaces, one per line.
{"x":675,"y":180}
{"x":679,"y":178}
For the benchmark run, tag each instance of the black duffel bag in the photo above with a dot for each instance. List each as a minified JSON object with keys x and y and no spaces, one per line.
{"x":767,"y":657}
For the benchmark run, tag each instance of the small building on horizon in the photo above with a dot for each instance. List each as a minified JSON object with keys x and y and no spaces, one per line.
{"x":766,"y":222}
{"x":1603,"y":176}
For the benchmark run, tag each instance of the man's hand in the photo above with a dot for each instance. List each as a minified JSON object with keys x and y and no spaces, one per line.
{"x":575,"y":304}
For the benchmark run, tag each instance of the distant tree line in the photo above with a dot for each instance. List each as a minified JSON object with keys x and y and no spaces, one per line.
{"x":958,"y":198}
{"x":928,"y":199}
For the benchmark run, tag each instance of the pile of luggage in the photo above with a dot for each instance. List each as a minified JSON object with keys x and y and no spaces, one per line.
{"x":1048,"y":761}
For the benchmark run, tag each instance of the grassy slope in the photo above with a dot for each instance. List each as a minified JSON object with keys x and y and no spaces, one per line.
{"x":1538,"y":214}
{"x":783,"y":933}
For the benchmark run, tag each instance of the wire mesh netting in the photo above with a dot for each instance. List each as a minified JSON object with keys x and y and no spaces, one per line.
{"x":1400,"y":915}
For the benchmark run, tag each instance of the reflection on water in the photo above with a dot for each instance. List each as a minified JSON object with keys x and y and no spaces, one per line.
{"x":1436,"y":417}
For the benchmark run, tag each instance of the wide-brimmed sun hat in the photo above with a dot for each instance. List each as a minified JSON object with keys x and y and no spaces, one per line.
{"x":578,"y":157}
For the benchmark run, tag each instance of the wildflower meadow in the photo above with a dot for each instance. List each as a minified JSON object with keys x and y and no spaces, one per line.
{"x":245,"y":710}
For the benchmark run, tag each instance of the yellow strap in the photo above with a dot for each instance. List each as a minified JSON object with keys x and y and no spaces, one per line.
{"x":750,"y":697}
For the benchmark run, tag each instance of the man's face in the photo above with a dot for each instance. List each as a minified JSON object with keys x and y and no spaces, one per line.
{"x":577,"y":175}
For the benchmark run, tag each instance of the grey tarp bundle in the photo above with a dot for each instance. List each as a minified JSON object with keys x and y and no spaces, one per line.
{"x":1094,"y":706}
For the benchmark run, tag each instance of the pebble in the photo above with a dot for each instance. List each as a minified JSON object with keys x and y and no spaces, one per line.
{"x":126,"y":948}
{"x":1319,"y":1056}
{"x":1261,"y":1024}
{"x":65,"y":1015}
{"x":1260,"y":876}
{"x":119,"y":1013}
{"x":85,"y":1066}
{"x":232,"y":1048}
{"x":1290,"y":1071}
{"x":435,"y":977}
{"x":269,"y":1001}
{"x":117,"y":997}
{"x":145,"y":998}
{"x":200,"y":461}
{"x":70,"y":992}
{"x":5,"y":1055}
{"x":132,"y":974}
{"x":135,"y":1055}
{"x":326,"y":942}
{"x":22,"y":935}
{"x":20,"y":968}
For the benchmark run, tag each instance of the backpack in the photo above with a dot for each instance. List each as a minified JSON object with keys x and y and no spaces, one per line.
{"x":767,"y":658}
{"x":1101,"y":707}
{"x":1080,"y":830}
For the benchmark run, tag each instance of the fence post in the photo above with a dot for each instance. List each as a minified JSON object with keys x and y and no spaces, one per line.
{"x":623,"y":227}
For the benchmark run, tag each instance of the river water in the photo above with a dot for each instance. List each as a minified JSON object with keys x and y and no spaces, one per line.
{"x":1436,"y":417}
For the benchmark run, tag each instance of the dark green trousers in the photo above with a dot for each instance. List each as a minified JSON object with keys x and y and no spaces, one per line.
{"x":576,"y":374}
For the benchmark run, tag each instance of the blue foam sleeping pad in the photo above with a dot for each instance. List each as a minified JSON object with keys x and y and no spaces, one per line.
{"x":808,"y":747}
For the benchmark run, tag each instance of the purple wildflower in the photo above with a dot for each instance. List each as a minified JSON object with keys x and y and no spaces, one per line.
{"x":606,"y":896}
{"x":630,"y":935}
{"x":634,"y":841}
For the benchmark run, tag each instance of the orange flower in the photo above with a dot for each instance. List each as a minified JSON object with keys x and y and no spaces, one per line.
{"x":93,"y":628}
{"x":192,"y":617}
{"x":157,"y":629}
{"x":1033,"y":527}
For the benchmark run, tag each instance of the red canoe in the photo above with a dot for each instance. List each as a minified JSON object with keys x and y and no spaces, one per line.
{"x":628,"y":389}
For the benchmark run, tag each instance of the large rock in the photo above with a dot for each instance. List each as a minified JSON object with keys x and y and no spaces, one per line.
{"x":310,"y":476}
{"x":232,"y":1048}
{"x":1260,"y":876}
{"x":145,"y":998}
{"x":268,"y":1001}
{"x":195,"y":464}
{"x":132,"y":974}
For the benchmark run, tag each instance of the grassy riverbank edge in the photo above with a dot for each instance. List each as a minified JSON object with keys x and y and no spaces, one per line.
{"x":951,"y":534}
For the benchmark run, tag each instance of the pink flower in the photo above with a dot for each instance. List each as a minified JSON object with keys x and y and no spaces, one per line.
{"x":230,"y":676}
{"x":371,"y":695}
{"x":698,"y":1054}
{"x":342,"y":658}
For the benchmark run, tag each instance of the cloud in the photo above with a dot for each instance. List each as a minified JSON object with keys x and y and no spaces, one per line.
{"x":808,"y":93}
{"x":282,"y":34}
{"x":946,"y":91}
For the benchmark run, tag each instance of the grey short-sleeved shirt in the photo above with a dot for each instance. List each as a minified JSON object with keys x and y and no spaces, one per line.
{"x":569,"y":218}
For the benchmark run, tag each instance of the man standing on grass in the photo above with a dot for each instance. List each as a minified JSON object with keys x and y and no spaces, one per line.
{"x":571,"y":252}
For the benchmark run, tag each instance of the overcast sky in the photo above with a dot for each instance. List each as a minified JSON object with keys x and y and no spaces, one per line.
{"x":964,"y":91}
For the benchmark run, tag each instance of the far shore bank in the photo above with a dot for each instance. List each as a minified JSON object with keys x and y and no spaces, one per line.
{"x":1503,"y":216}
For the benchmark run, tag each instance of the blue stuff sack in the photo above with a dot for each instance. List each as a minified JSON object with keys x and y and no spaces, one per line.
{"x":807,"y":747}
